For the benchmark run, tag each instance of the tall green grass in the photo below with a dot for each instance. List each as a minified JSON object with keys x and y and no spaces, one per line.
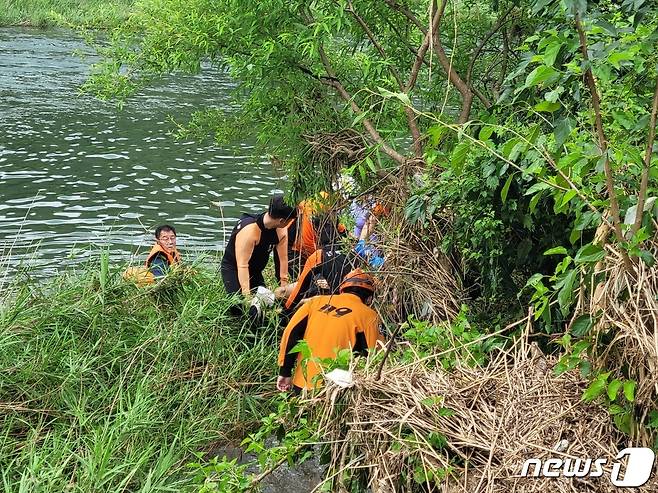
{"x":106,"y":387}
{"x":46,"y":13}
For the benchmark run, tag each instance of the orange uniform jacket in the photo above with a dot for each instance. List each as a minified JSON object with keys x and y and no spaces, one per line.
{"x":306,"y":239}
{"x":327,"y":324}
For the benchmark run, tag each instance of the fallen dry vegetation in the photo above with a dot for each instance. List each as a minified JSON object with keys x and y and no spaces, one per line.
{"x":420,"y":428}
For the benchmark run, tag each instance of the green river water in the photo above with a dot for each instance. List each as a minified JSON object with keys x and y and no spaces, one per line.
{"x":77,"y":174}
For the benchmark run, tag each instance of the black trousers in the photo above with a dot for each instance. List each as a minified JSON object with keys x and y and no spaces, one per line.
{"x":232,"y":286}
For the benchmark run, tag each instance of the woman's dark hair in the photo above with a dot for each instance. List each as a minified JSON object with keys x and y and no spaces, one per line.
{"x":164,"y":227}
{"x":362,"y":293}
{"x":279,"y":209}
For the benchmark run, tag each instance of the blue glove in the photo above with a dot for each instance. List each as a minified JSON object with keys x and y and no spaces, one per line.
{"x":376,"y":262}
{"x":360,"y":248}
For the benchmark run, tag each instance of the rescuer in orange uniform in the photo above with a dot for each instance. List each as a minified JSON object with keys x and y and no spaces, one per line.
{"x":304,"y":234}
{"x":328,"y":324}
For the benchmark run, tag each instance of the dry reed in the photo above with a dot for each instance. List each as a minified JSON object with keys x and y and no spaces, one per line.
{"x":624,"y":305}
{"x":385,"y":432}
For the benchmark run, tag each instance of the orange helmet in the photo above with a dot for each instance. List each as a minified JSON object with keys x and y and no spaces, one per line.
{"x":359,"y":279}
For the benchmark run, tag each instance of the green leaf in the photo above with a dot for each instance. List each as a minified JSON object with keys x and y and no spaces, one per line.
{"x":589,"y":253}
{"x":582,"y":325}
{"x":432,"y":401}
{"x":617,"y":58}
{"x":560,"y":250}
{"x":459,"y":155}
{"x":505,"y":190}
{"x":624,"y":422}
{"x":613,"y":389}
{"x":568,"y":195}
{"x":361,"y":116}
{"x":533,"y":202}
{"x":486,"y":132}
{"x":437,"y":440}
{"x":507,"y":147}
{"x":547,"y":107}
{"x":602,"y":23}
{"x":533,"y":134}
{"x":625,"y":119}
{"x":594,"y":390}
{"x":386,"y":93}
{"x":404,"y":98}
{"x":565,"y":295}
{"x":537,"y":187}
{"x":629,"y":390}
{"x":562,"y":129}
{"x":436,"y":132}
{"x":615,"y":408}
{"x":541,"y":74}
{"x":552,"y":52}
{"x":534,"y":280}
{"x":574,"y":236}
{"x":647,"y":257}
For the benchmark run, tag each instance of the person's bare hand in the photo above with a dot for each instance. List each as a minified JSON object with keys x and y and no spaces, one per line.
{"x":284,"y":383}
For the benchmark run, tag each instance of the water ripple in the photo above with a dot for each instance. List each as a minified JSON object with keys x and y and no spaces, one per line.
{"x":76,"y":174}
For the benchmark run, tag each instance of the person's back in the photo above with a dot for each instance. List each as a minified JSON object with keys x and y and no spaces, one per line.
{"x":327,"y":324}
{"x":328,"y":265}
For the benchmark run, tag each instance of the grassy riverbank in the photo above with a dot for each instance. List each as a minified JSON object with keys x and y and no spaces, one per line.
{"x":107,"y":387}
{"x":49,"y":13}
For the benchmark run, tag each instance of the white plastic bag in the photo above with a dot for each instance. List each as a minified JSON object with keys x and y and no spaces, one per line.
{"x":262,"y":299}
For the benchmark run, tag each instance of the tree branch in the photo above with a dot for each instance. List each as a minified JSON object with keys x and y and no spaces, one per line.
{"x":334,"y":82}
{"x":367,"y":124}
{"x":603,"y":143}
{"x":411,"y":116}
{"x":503,"y":70}
{"x":647,"y":162}
{"x":453,"y":76}
{"x":403,"y":39}
{"x":373,"y":40}
{"x":422,"y":51}
{"x":407,"y":13}
{"x":502,"y":20}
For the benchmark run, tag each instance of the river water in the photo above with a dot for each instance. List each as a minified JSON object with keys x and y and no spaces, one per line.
{"x":77,"y":174}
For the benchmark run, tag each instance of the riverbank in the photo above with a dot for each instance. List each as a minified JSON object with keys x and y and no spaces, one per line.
{"x":95,"y":14}
{"x":107,"y":387}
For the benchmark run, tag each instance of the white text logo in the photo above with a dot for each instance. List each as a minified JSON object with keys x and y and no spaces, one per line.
{"x":638,"y":468}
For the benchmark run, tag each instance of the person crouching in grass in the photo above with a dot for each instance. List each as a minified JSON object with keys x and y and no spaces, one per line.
{"x":163,"y":254}
{"x":161,"y":258}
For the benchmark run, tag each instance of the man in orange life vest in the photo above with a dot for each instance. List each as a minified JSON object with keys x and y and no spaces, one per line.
{"x":327,"y":324}
{"x":248,"y":249}
{"x":163,"y":254}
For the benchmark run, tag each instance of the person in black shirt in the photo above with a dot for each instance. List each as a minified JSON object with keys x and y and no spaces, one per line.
{"x":248,"y":249}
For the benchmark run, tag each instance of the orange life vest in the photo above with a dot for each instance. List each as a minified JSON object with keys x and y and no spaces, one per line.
{"x":332,"y":323}
{"x":306,"y":239}
{"x":174,"y":258}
